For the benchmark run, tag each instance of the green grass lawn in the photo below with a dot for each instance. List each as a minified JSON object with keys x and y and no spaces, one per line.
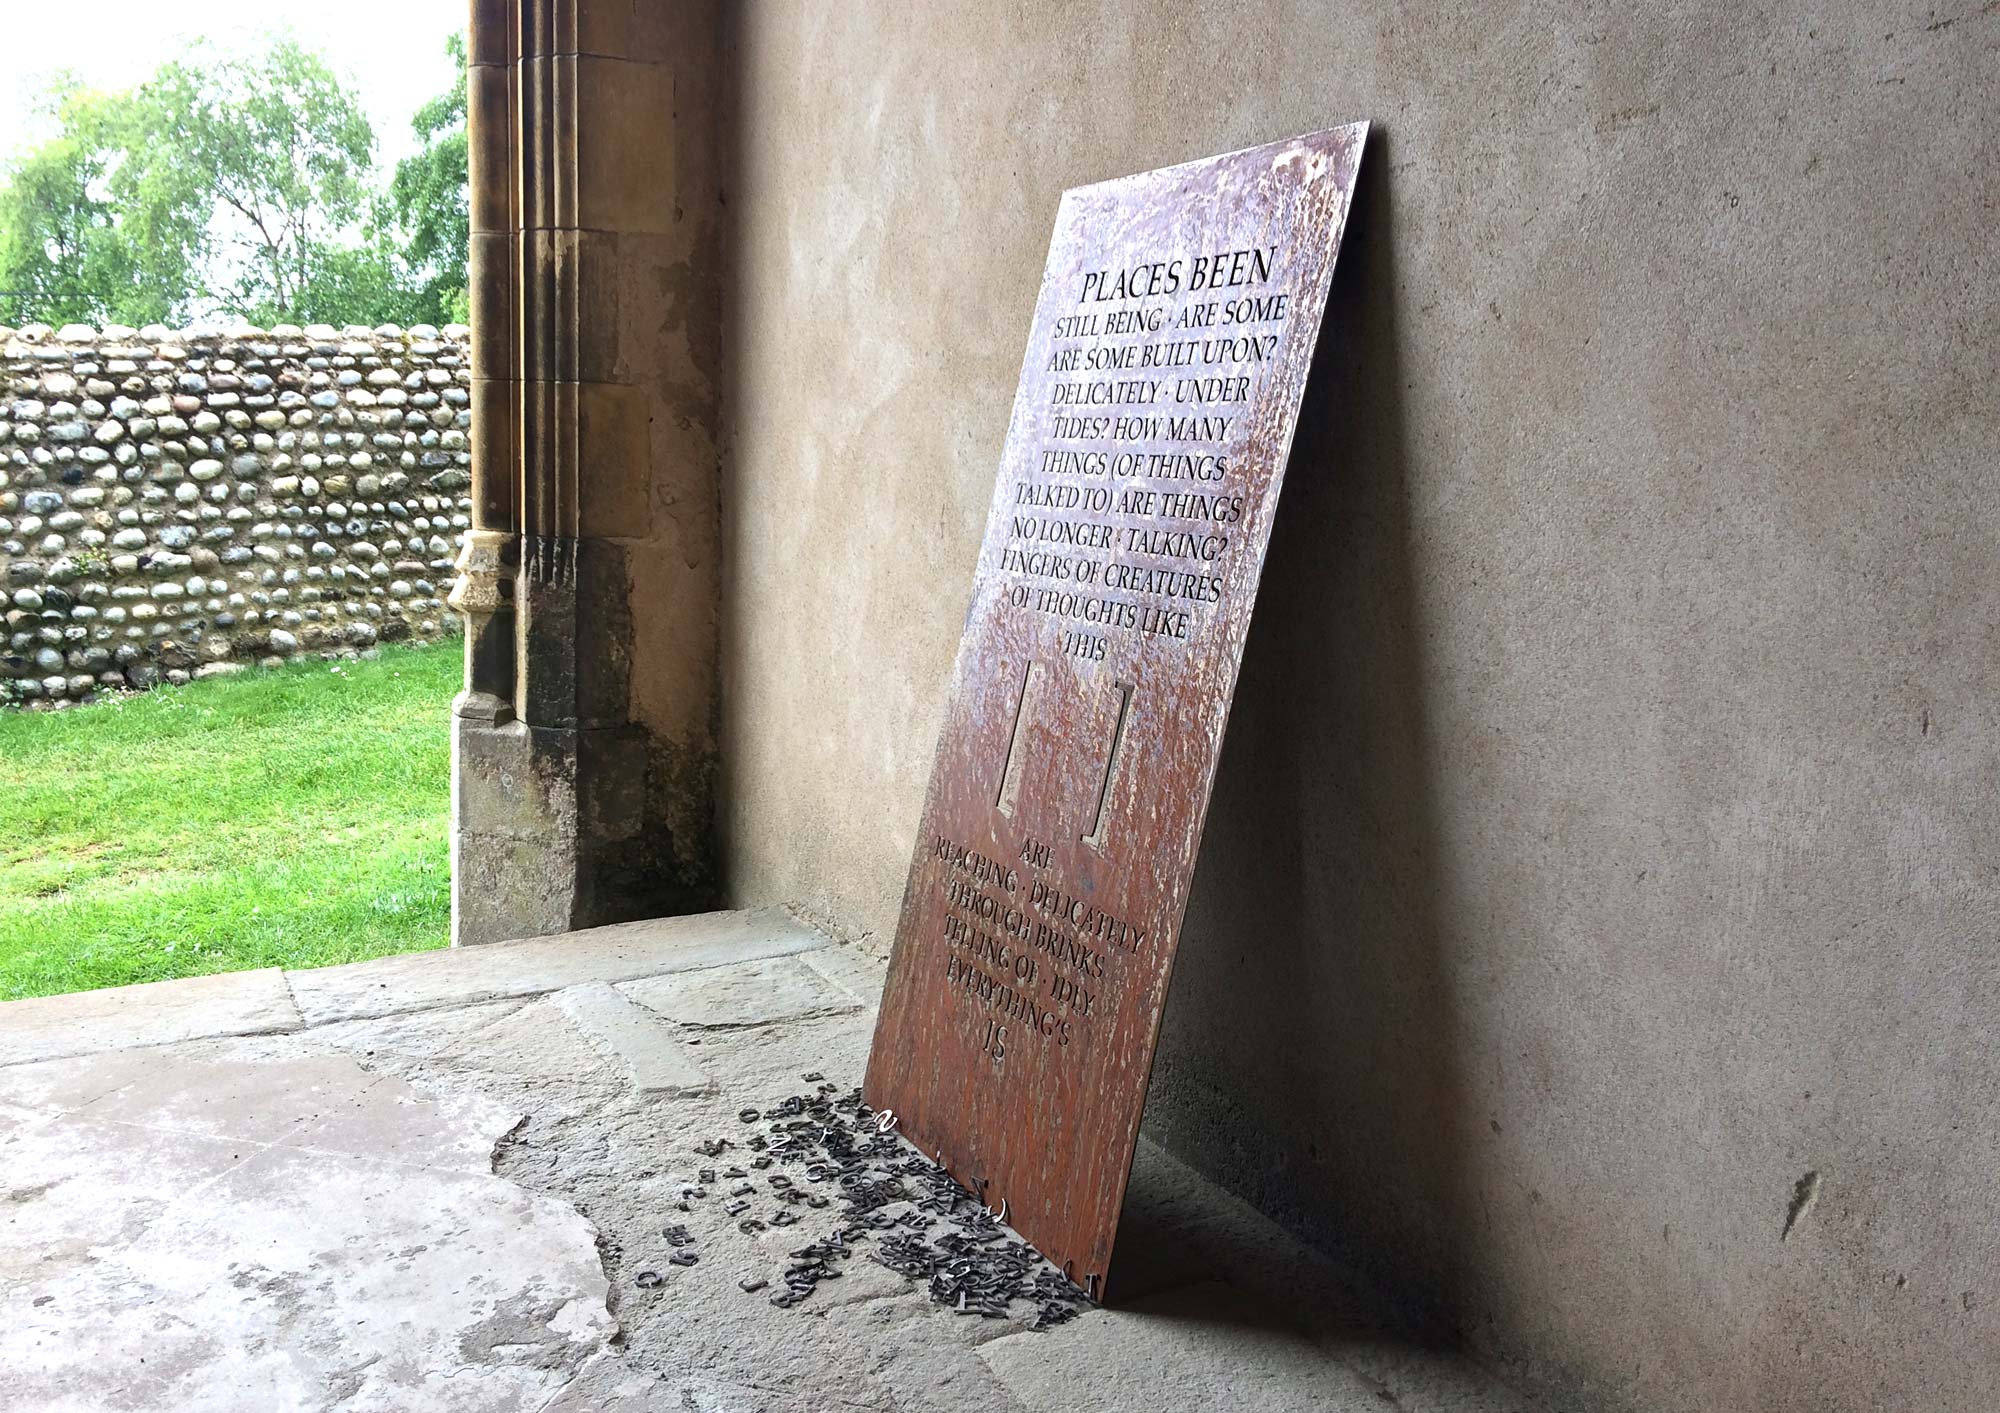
{"x":292,"y":818}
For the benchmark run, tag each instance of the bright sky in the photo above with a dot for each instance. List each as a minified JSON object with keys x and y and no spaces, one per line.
{"x":391,"y":52}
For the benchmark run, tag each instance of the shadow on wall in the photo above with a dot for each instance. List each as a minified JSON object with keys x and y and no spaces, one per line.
{"x":1306,"y":1059}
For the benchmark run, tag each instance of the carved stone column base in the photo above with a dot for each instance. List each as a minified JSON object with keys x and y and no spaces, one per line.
{"x":546,"y":828}
{"x":514,"y":834}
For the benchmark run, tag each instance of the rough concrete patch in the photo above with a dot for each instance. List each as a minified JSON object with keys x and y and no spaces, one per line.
{"x":746,"y":993}
{"x":863,"y":1282}
{"x":927,"y":1359}
{"x":625,"y":1164}
{"x":1201,"y":1349}
{"x":607,"y":1382}
{"x":648,"y":1049}
{"x":155,"y":1013}
{"x":462,"y":976}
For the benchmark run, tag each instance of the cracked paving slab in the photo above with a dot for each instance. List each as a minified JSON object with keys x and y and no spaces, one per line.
{"x":151,"y":1013}
{"x":418,"y":981}
{"x":754,"y":993}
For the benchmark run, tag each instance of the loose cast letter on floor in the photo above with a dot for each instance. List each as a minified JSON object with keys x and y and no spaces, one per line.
{"x":1176,"y":323}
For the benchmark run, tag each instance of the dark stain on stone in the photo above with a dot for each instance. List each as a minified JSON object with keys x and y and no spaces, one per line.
{"x":517,"y":1332}
{"x":1805,"y":1196}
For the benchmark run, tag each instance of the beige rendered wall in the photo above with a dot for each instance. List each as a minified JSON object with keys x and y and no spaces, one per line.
{"x":652,"y":73}
{"x":1607,"y":835}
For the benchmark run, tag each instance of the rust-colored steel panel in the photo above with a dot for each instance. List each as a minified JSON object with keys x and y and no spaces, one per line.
{"x":1176,"y":322}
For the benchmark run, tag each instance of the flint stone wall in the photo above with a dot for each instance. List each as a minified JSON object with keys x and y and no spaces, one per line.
{"x":178,"y":504}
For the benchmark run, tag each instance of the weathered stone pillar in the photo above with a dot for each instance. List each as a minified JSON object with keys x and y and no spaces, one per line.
{"x":581,"y":777}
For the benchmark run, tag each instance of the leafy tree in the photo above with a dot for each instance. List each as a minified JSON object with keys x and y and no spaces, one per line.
{"x":428,"y":193}
{"x":70,"y":251}
{"x":283,"y":151}
{"x":234,"y":184}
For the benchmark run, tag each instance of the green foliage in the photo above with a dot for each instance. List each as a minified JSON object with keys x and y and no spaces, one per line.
{"x":287,"y":818}
{"x":234,"y":184}
{"x":283,"y":150}
{"x":73,"y":249}
{"x":429,"y":196}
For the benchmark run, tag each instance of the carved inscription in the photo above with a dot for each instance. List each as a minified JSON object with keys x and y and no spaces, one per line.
{"x":1158,"y":396}
{"x":1118,"y":531}
{"x":1123,"y":522}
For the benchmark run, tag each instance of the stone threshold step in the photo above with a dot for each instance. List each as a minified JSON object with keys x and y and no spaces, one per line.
{"x":272,"y":1001}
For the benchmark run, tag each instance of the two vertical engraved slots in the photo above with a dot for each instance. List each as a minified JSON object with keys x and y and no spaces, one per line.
{"x":1025,"y":705}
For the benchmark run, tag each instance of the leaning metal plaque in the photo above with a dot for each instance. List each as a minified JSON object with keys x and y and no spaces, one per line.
{"x":1176,"y":322}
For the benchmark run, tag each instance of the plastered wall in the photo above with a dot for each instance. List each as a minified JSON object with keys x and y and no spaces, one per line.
{"x":1597,"y":937}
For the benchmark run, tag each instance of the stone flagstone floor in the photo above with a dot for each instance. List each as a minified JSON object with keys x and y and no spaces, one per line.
{"x":432,"y":1182}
